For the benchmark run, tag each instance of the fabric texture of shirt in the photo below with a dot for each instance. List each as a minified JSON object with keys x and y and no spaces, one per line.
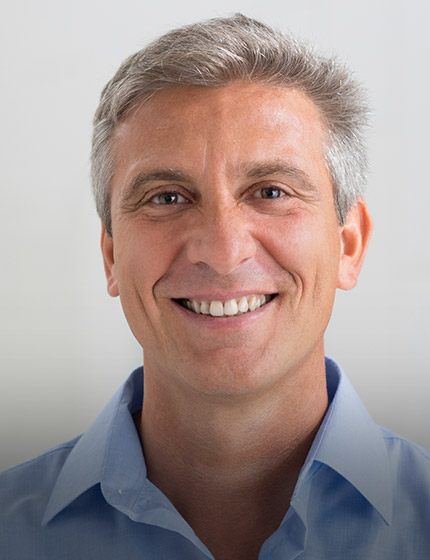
{"x":363,"y":493}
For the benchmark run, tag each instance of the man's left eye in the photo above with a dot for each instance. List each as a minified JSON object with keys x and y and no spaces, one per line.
{"x":168,"y":198}
{"x":270,"y":192}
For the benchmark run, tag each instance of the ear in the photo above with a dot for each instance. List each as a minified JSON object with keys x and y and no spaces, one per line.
{"x":106,"y":243}
{"x":355,"y":235}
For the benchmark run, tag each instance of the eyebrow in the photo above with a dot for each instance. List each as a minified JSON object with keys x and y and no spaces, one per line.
{"x":259,"y":170}
{"x":255,"y":170}
{"x":145,"y":177}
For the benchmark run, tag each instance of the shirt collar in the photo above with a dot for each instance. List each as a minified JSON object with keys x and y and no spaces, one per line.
{"x":110,"y":454}
{"x":85,"y":464}
{"x":348,"y":441}
{"x":352,"y":444}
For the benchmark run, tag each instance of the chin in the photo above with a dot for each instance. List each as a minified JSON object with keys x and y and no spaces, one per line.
{"x":234,"y":378}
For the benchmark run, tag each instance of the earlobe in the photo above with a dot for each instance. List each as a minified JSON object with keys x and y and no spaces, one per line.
{"x":106,"y":243}
{"x":355,"y":235}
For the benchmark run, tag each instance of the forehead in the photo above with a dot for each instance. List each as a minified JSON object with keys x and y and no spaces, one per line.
{"x":227,"y":127}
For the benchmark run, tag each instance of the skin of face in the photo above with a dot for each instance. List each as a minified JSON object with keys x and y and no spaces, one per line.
{"x":219,"y":193}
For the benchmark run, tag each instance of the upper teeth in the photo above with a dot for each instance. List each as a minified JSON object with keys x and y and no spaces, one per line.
{"x":227,"y":308}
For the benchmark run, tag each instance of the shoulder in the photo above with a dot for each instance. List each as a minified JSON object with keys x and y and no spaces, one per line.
{"x":50,"y":460}
{"x":27,"y":486}
{"x":409,"y":469}
{"x":405,"y":454}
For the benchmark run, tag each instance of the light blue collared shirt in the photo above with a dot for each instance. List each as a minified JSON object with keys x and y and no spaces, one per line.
{"x":363,"y":494}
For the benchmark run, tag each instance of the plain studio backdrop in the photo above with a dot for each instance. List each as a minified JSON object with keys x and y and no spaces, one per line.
{"x":65,"y":346}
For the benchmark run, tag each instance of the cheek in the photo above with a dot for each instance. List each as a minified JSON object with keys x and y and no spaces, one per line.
{"x":140,"y":260}
{"x":292,"y":241}
{"x":306,"y":248}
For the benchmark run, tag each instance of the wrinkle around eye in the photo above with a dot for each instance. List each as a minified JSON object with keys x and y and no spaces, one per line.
{"x":148,"y":203}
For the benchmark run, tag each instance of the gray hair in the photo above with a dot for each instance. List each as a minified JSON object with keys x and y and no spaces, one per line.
{"x":216,"y":52}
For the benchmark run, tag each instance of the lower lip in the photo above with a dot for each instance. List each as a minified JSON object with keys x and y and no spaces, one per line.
{"x":232,"y":322}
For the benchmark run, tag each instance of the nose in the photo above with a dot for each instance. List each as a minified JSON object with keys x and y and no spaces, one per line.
{"x":222,"y":240}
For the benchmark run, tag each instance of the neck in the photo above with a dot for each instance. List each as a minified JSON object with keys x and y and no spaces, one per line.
{"x":238,"y":457}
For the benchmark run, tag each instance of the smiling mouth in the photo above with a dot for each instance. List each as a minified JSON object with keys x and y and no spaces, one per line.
{"x":228,"y":308}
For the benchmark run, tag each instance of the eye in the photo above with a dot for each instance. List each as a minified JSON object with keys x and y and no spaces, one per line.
{"x":270,"y":192}
{"x":168,"y":198}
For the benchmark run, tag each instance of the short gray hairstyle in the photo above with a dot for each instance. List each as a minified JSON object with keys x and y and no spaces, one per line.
{"x":216,"y":52}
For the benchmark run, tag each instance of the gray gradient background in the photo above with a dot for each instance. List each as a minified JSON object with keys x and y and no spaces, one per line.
{"x":64,"y":344}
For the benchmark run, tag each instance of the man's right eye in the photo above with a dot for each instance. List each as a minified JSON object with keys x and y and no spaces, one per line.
{"x":168,"y":198}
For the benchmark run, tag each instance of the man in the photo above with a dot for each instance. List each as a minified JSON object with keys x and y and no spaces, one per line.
{"x":228,"y":169}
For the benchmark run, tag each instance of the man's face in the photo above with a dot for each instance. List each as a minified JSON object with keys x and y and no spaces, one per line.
{"x":219,"y":194}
